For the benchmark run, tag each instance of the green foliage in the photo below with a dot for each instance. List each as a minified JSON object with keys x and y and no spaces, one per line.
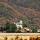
{"x":10,"y":27}
{"x":7,"y":26}
{"x":28,"y":23}
{"x":13,"y":28}
{"x":34,"y":28}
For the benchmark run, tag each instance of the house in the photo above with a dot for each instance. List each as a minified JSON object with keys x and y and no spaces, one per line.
{"x":19,"y":24}
{"x":38,"y":30}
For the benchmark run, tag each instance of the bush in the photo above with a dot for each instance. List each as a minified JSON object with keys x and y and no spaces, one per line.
{"x":29,"y":23}
{"x":10,"y":27}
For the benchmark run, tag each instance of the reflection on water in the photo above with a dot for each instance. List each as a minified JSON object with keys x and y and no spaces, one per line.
{"x":20,"y":37}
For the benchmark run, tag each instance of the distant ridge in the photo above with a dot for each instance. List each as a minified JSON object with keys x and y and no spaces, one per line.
{"x":18,"y":11}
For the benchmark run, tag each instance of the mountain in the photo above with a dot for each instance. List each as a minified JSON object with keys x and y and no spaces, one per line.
{"x":15,"y":9}
{"x":27,"y":3}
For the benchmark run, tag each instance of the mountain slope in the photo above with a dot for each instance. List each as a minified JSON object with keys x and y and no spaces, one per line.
{"x":19,"y":8}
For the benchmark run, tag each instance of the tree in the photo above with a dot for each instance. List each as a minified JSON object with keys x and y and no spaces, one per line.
{"x":6,"y":27}
{"x":26,"y":21}
{"x":34,"y":29}
{"x":13,"y":28}
{"x":10,"y":27}
{"x":29,"y":23}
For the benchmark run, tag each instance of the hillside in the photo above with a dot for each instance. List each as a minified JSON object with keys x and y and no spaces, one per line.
{"x":14,"y":10}
{"x":27,"y":3}
{"x":19,"y":10}
{"x":29,"y":8}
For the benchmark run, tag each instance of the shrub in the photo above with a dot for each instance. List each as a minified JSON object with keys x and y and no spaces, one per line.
{"x":10,"y":27}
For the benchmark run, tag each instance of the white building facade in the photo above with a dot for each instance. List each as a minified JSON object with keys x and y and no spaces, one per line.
{"x":19,"y":24}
